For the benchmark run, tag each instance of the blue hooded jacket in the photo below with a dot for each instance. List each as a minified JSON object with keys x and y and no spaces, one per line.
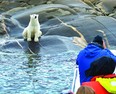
{"x":88,"y":55}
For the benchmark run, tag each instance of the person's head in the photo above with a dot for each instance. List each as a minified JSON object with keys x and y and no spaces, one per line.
{"x":98,"y":39}
{"x":85,"y":90}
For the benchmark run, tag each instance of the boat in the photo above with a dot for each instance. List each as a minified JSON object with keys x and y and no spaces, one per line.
{"x":76,"y":78}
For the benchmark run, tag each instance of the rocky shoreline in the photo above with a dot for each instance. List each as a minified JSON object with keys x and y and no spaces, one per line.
{"x":60,"y":18}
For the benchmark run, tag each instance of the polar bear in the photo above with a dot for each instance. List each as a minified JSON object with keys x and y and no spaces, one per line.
{"x":32,"y":31}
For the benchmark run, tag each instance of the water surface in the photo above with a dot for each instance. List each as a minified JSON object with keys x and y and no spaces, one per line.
{"x":33,"y":74}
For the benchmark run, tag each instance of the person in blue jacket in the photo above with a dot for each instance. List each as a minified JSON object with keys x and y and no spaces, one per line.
{"x":91,"y":52}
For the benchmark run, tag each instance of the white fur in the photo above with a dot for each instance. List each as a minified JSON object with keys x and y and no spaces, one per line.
{"x":33,"y":29}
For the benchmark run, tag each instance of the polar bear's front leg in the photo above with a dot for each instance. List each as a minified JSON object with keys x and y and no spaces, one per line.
{"x":29,"y":35}
{"x":24,"y":34}
{"x":36,"y":38}
{"x":37,"y":35}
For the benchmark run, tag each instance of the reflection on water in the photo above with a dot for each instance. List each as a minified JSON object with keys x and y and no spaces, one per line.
{"x":32,"y":74}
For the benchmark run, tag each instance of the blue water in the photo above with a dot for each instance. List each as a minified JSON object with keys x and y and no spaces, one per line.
{"x":34,"y":74}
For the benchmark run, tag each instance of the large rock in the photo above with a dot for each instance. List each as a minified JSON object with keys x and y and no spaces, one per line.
{"x":19,"y":3}
{"x":58,"y":37}
{"x":108,"y":5}
{"x":47,"y":45}
{"x":87,"y":25}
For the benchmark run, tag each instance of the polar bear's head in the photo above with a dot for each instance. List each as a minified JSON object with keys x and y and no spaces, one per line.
{"x":34,"y":19}
{"x":34,"y":16}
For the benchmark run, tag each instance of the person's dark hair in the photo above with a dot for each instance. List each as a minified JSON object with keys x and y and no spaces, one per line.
{"x":101,"y":66}
{"x":98,"y":39}
{"x":85,"y":90}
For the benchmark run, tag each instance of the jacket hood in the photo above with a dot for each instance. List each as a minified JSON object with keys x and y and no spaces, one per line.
{"x":92,"y":50}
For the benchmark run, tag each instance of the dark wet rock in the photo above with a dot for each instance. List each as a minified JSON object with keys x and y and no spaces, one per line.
{"x":59,"y":37}
{"x":10,"y":26}
{"x":108,"y":5}
{"x":55,"y":33}
{"x":85,"y":24}
{"x":13,"y":11}
{"x":47,"y":45}
{"x":88,"y":25}
{"x":24,"y":15}
{"x":101,"y":7}
{"x":77,"y":5}
{"x":3,"y":28}
{"x":91,"y":2}
{"x":19,"y":3}
{"x":36,"y":2}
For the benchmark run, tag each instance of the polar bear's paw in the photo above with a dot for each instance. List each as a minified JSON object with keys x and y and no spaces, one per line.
{"x":36,"y":39}
{"x":29,"y":39}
